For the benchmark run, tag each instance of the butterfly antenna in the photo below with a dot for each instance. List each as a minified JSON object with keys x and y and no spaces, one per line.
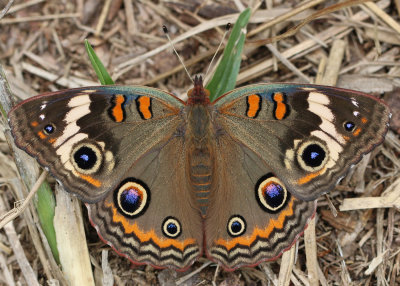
{"x":227,"y":28}
{"x":165,"y":29}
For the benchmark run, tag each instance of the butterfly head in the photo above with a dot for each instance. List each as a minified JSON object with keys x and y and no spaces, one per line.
{"x":198,"y":94}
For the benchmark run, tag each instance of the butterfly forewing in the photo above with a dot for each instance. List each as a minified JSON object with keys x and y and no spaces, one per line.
{"x":309,"y":135}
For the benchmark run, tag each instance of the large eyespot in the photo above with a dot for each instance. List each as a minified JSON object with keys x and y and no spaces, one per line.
{"x":132,"y":197}
{"x":236,"y":225}
{"x":171,"y":227}
{"x":86,"y":158}
{"x":271,"y":193}
{"x":312,"y":155}
{"x":49,"y":129}
{"x":349,"y":126}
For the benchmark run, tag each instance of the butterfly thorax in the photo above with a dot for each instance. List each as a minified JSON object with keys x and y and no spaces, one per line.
{"x":198,"y":94}
{"x":200,"y":137}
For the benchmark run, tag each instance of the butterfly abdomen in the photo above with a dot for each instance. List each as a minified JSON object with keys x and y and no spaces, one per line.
{"x":200,"y":172}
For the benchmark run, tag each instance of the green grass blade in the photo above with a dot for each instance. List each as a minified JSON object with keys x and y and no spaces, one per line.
{"x":45,"y":205}
{"x":224,"y":78}
{"x":102,"y":74}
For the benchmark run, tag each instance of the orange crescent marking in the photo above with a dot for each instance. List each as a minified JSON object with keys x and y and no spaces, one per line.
{"x":117,"y":111}
{"x":34,"y":123}
{"x":41,"y":135}
{"x":258,"y":232}
{"x":91,"y":180}
{"x":280,"y":110}
{"x":311,"y":176}
{"x":254,"y":105}
{"x":144,"y":106}
{"x":347,"y":138}
{"x":357,"y":132}
{"x":146,"y":236}
{"x":52,"y":140}
{"x":364,"y":120}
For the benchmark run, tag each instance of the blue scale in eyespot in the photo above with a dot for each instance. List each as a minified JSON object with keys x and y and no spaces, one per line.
{"x":274,"y":194}
{"x":349,"y":126}
{"x":313,"y":155}
{"x":49,"y":128}
{"x":172,"y":228}
{"x":236,"y":227}
{"x":130,"y":200}
{"x":85,"y":158}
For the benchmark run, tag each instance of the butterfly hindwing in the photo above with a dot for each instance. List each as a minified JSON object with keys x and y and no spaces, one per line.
{"x":252,"y":216}
{"x":150,"y":217}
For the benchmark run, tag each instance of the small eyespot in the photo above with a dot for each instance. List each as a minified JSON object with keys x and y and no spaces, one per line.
{"x":271,"y":193}
{"x":49,"y":129}
{"x":236,"y":225}
{"x":312,"y":155}
{"x":171,"y":227}
{"x":349,"y":126}
{"x":132,"y":197}
{"x":86,"y":158}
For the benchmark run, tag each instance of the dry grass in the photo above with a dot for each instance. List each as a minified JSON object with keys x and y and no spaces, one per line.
{"x":41,"y":49}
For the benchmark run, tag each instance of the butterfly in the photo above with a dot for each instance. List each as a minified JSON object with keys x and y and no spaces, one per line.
{"x":167,"y":181}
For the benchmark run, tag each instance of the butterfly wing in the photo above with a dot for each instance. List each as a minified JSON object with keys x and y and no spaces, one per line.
{"x":310,"y":135}
{"x":87,"y":137}
{"x":151,"y":216}
{"x":119,"y":149}
{"x":279,"y":147}
{"x":252,"y":216}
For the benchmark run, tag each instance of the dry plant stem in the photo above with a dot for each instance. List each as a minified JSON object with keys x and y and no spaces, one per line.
{"x":103,"y":15}
{"x":71,"y":240}
{"x":130,"y":20}
{"x":16,"y":211}
{"x":5,"y":9}
{"x":38,"y":18}
{"x":286,"y":266}
{"x":108,"y":278}
{"x":26,"y":269}
{"x":310,"y":242}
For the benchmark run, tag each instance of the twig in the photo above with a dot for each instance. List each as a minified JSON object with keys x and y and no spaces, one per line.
{"x":16,"y":211}
{"x":5,"y":9}
{"x":38,"y":18}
